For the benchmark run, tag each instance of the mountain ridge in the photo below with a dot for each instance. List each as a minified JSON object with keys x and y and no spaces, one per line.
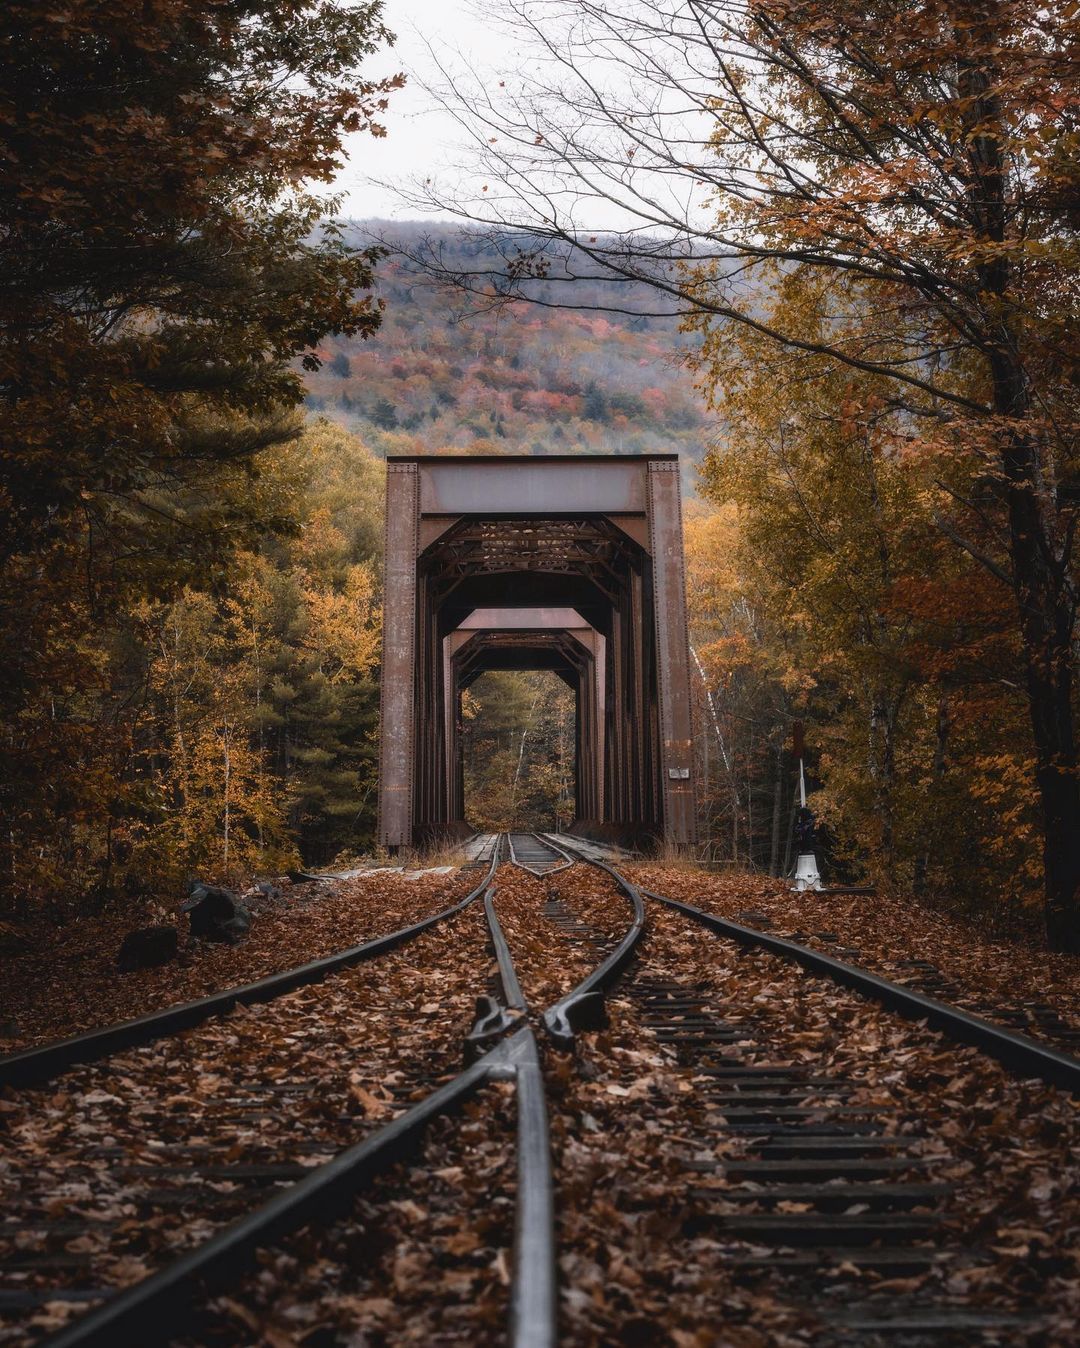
{"x":446,"y":375}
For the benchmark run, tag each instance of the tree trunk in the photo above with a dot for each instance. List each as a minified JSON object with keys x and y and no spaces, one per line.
{"x":1040,"y":560}
{"x":777,"y":812}
{"x":882,"y":768}
{"x":227,"y":802}
{"x":922,"y":861}
{"x":1047,"y":603}
{"x":790,"y":834}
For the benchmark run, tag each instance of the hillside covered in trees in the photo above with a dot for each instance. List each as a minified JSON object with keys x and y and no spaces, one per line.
{"x":204,"y":372}
{"x":454,"y":373}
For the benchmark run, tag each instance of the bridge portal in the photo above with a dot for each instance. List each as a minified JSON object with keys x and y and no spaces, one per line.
{"x":568,"y":563}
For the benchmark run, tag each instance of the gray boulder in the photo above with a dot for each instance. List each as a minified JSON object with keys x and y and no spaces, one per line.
{"x":216,"y":914}
{"x":147,"y":948}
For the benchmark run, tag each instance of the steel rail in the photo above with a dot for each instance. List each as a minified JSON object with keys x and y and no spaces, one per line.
{"x":136,"y":1316}
{"x":494,"y":1017}
{"x":532,"y":870}
{"x":567,"y":858}
{"x":35,"y":1065}
{"x":127,"y":1319}
{"x":514,"y":997}
{"x":534,"y":1286}
{"x":534,"y":1293}
{"x":582,"y":1007}
{"x":1018,"y":1052}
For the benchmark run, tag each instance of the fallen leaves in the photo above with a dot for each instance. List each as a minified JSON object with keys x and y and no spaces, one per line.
{"x":66,"y":981}
{"x":635,"y":1272}
{"x":150,"y":1148}
{"x":1026,"y":988}
{"x":424,"y":1256}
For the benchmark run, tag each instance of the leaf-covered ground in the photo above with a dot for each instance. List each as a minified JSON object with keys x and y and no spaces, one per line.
{"x":886,"y":934}
{"x":549,"y":959}
{"x":640,"y":1266}
{"x":66,"y":980}
{"x":98,"y":1166}
{"x":423,"y":1258}
{"x":642,"y":1149}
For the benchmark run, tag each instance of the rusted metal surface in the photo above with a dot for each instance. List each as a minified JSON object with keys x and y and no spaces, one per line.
{"x":567,"y":563}
{"x":397,"y":692}
{"x":669,"y":613}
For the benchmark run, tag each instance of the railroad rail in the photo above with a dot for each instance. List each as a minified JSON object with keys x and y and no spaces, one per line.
{"x":36,"y":1065}
{"x":167,"y":1172}
{"x":823,"y":1184}
{"x":510,"y":1054}
{"x":791,"y":1168}
{"x":1019,"y":1052}
{"x":537,"y":856}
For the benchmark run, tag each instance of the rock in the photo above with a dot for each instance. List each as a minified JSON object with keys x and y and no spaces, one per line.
{"x":147,"y":948}
{"x":216,"y":914}
{"x":14,"y":941}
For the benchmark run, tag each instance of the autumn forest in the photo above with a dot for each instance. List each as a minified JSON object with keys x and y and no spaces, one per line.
{"x":739,"y":1004}
{"x":203,"y":376}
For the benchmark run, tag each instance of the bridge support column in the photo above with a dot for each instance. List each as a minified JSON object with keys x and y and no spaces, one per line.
{"x":398,"y":688}
{"x":673,"y":651}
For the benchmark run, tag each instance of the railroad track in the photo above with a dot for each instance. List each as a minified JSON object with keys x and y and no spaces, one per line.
{"x":186,"y":1119}
{"x":537,"y":855}
{"x":319,"y":1178}
{"x":822,"y":1189}
{"x":1028,"y":1016}
{"x":792,"y":1195}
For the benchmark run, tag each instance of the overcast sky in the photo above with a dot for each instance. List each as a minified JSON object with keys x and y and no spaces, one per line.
{"x":425,"y":142}
{"x":421,"y":139}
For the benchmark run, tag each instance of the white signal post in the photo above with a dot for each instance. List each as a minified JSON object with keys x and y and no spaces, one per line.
{"x":806,"y":875}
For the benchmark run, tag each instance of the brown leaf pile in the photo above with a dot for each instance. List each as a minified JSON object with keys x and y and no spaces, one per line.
{"x":98,"y":1165}
{"x":66,"y":981}
{"x":638,"y":1270}
{"x":424,"y":1256}
{"x":998,"y":979}
{"x":548,"y":961}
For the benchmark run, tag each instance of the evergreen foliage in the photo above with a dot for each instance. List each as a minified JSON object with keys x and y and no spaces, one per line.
{"x":162,"y":281}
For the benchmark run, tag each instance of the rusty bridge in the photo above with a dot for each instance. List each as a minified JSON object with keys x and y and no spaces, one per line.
{"x":572,"y":564}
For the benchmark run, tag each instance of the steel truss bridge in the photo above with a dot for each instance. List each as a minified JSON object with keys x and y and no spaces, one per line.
{"x":572,"y":564}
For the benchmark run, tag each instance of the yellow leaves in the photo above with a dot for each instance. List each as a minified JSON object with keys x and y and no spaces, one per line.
{"x":344,"y":624}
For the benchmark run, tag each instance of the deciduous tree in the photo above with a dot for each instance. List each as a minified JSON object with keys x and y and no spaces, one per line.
{"x":928,"y":153}
{"x":163,"y":275}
